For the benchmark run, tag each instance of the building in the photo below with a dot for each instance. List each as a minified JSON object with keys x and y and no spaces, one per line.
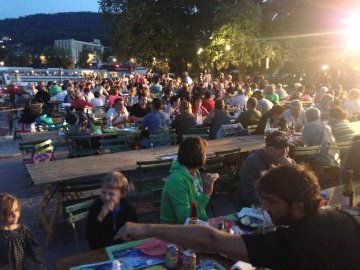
{"x":76,"y":47}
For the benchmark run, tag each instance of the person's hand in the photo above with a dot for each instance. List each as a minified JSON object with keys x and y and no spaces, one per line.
{"x":208,"y":182}
{"x":107,"y":207}
{"x":284,"y":160}
{"x":131,"y":231}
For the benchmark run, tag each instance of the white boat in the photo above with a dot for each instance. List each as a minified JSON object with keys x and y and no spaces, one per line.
{"x":22,"y":76}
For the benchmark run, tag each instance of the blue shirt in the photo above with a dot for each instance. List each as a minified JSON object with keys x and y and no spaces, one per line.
{"x":156,"y":121}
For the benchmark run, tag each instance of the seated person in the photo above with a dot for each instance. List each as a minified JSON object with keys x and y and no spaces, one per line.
{"x":316,"y":132}
{"x":295,"y":115}
{"x":309,"y":237}
{"x":166,"y":97}
{"x":270,"y":93}
{"x":185,"y":184}
{"x":251,"y":116}
{"x":207,"y":102}
{"x":78,"y":103}
{"x":118,"y":112}
{"x":97,"y":101}
{"x":263,"y":105}
{"x":276,"y":119}
{"x":217,"y":118}
{"x":140,"y":109}
{"x":196,"y":105}
{"x":184,"y":120}
{"x":172,"y":109}
{"x":115,"y":94}
{"x":157,"y":120}
{"x":110,"y":212}
{"x":274,"y":153}
{"x":340,"y":126}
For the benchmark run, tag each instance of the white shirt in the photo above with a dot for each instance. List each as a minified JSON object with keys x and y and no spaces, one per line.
{"x":122,"y":114}
{"x":97,"y":102}
{"x":352,"y":106}
{"x":239,"y":100}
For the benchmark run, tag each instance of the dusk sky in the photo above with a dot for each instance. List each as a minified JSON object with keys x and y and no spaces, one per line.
{"x":17,"y":8}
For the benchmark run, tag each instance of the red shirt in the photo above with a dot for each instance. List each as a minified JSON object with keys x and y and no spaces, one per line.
{"x":80,"y":104}
{"x":203,"y":110}
{"x":209,"y":104}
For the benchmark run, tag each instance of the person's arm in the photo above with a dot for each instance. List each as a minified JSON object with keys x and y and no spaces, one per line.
{"x":143,"y":124}
{"x":208,"y":118}
{"x":204,"y":111}
{"x":248,"y":176}
{"x":194,"y":237}
{"x":33,"y":250}
{"x":94,"y":226}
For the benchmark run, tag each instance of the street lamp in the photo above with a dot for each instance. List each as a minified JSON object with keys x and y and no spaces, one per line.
{"x":227,"y":47}
{"x":1,"y":63}
{"x":200,"y":51}
{"x":325,"y":67}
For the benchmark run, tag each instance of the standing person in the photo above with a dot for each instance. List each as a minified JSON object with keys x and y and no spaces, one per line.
{"x":16,"y":240}
{"x":186,"y":185}
{"x":217,"y":118}
{"x":110,"y":212}
{"x":184,"y":120}
{"x":312,"y":237}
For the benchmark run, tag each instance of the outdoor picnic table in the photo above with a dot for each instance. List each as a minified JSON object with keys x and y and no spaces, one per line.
{"x":52,"y":173}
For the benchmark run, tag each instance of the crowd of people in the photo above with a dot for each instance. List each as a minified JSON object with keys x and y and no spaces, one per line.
{"x":289,"y":192}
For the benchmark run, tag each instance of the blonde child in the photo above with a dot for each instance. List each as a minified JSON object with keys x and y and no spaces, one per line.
{"x":110,"y":212}
{"x":16,"y":240}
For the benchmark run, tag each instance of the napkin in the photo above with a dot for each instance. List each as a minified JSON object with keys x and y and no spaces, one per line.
{"x":98,"y":131}
{"x":240,"y":265}
{"x":252,"y":212}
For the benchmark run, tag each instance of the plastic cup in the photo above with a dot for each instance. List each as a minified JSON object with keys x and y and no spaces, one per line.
{"x":207,"y":264}
{"x":126,"y":264}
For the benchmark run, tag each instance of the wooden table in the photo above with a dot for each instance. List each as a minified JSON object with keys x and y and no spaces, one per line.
{"x":100,"y":255}
{"x":95,"y":167}
{"x":55,"y":137}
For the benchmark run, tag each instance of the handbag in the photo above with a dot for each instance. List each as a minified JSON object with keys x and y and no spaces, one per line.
{"x":35,"y":107}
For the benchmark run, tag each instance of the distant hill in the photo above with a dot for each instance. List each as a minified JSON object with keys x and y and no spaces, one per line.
{"x":40,"y":30}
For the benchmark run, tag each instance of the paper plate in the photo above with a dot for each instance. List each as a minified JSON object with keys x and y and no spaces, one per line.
{"x":153,"y":247}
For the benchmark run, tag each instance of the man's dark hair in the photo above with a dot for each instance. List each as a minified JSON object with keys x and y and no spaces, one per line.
{"x":97,"y":94}
{"x":157,"y":104}
{"x":207,"y":95}
{"x":167,"y":91}
{"x":191,"y":152}
{"x":277,"y":109}
{"x":292,"y":183}
{"x":141,"y":94}
{"x":173,"y":99}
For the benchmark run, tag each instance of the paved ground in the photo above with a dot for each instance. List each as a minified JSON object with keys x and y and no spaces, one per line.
{"x":13,"y":180}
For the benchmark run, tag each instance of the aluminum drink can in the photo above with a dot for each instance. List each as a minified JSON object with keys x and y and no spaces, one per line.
{"x":172,"y":256}
{"x":189,"y":260}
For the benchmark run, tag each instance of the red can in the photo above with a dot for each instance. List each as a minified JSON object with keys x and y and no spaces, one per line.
{"x":189,"y":260}
{"x":172,"y":256}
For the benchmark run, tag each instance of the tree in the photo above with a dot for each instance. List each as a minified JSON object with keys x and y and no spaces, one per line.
{"x":164,"y":29}
{"x":56,"y":57}
{"x":236,"y":38}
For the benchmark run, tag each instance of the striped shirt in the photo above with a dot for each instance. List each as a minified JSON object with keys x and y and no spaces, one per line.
{"x":342,"y":130}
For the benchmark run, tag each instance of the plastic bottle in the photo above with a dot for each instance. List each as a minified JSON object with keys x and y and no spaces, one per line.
{"x":199,"y":116}
{"x":115,"y":265}
{"x":267,"y":127}
{"x":348,"y":193}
